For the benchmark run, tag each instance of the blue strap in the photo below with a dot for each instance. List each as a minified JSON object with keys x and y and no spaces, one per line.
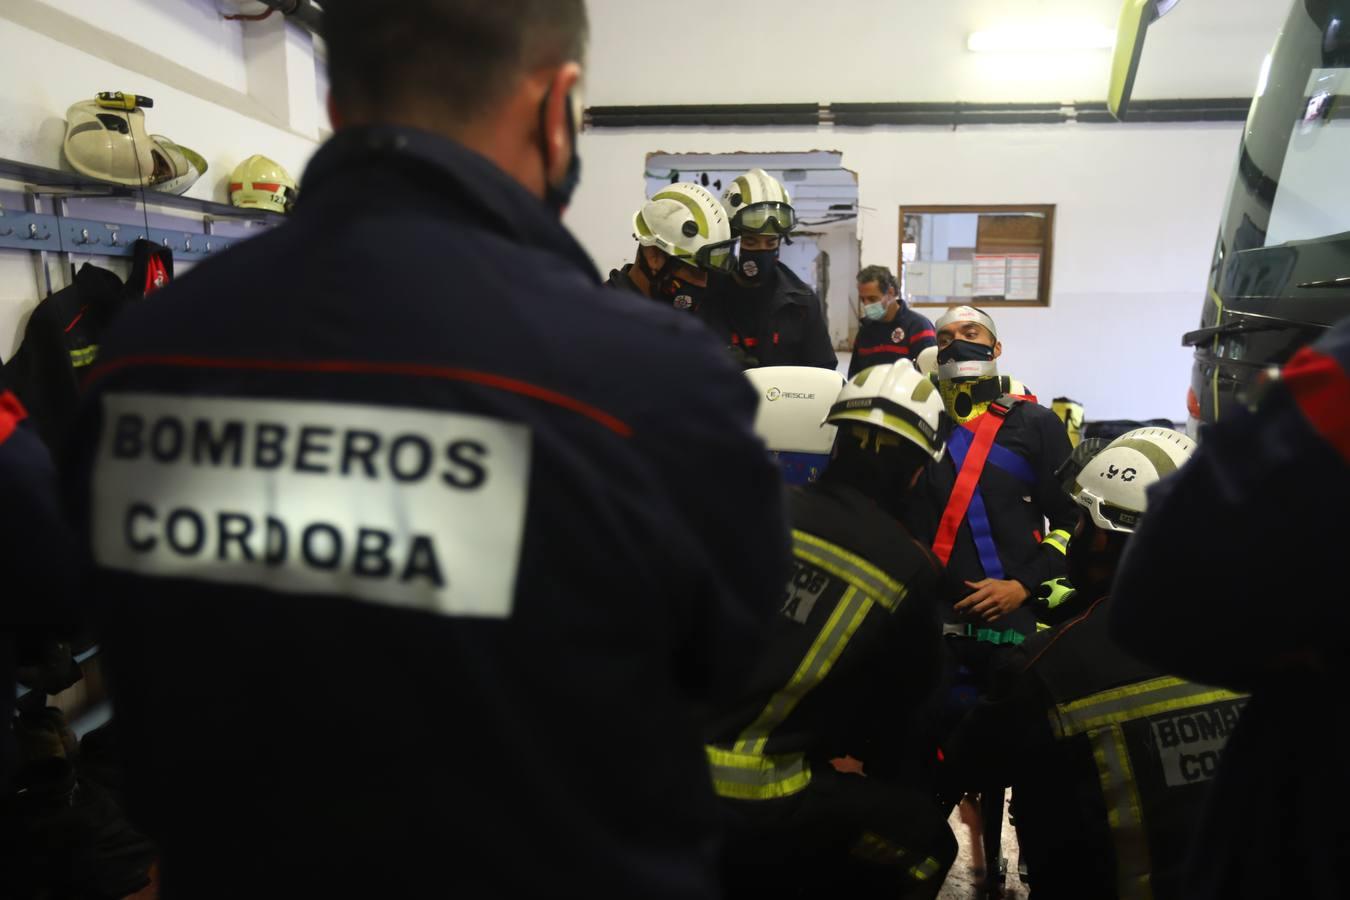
{"x":977,"y":516}
{"x":1007,"y":460}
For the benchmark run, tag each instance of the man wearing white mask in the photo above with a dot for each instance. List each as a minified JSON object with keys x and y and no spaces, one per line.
{"x":890,"y":329}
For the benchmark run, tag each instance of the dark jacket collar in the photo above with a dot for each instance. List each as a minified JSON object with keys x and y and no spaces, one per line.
{"x":462,"y":179}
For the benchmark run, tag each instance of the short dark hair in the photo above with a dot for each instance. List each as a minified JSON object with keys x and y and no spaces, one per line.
{"x":882,"y":276}
{"x":455,"y":57}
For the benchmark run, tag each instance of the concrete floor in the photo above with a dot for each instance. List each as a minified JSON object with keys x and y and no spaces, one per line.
{"x":960,"y":884}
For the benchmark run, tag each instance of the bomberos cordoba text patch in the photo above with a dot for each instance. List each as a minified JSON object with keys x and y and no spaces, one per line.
{"x":400,"y":506}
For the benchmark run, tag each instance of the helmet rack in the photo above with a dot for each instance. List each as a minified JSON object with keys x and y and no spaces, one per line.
{"x":45,"y":226}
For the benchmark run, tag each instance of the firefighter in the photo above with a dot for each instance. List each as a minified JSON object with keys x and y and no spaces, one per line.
{"x":890,"y":329}
{"x":1262,"y":500}
{"x":985,"y":511}
{"x":1110,"y":758}
{"x":764,"y":312}
{"x":406,"y":578}
{"x":684,"y":240}
{"x":854,"y":651}
{"x":994,"y":515}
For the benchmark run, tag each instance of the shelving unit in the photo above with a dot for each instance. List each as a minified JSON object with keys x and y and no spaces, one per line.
{"x":45,"y":225}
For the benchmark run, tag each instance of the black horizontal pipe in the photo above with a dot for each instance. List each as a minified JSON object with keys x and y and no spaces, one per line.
{"x":949,"y":115}
{"x":855,"y":115}
{"x":721,"y":116}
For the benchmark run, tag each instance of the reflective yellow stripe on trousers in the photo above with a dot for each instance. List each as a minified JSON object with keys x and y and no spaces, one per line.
{"x":1100,"y":717}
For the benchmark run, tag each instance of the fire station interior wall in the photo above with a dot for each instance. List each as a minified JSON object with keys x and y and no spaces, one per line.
{"x":1137,"y":211}
{"x":1137,"y":205}
{"x":225,"y":89}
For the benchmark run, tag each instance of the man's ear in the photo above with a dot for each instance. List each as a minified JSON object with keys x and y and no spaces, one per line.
{"x":560,"y":122}
{"x":998,"y":349}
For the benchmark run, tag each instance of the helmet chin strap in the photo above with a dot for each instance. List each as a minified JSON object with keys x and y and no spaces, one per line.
{"x":968,"y":370}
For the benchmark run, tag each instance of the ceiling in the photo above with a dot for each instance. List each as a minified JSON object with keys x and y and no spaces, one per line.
{"x":906,"y":50}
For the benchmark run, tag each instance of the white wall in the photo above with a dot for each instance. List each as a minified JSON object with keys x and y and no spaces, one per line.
{"x":226,"y":89}
{"x":1137,"y":205}
{"x":1138,"y":208}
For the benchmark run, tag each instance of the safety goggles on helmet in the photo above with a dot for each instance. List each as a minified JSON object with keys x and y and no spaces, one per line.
{"x":719,"y":257}
{"x":766,"y":218}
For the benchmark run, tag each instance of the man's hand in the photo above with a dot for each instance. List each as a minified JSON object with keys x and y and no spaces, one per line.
{"x":992,"y":600}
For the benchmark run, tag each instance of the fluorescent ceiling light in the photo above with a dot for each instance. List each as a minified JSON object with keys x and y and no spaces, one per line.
{"x":1041,"y":39}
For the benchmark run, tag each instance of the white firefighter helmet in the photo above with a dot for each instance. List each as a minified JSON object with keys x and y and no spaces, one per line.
{"x":112,"y":145}
{"x":899,"y":399}
{"x":792,"y":402}
{"x":685,"y":221}
{"x":757,"y":203}
{"x":1113,"y":485}
{"x":262,"y":183}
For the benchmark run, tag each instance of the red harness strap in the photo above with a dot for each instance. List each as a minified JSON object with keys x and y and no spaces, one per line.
{"x":967,"y":480}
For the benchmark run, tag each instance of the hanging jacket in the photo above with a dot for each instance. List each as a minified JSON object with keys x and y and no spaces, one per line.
{"x":1004,"y":534}
{"x":879,"y":343}
{"x":1262,"y":497}
{"x":1110,"y":761}
{"x":779,"y":324}
{"x":59,"y":343}
{"x":397,"y":586}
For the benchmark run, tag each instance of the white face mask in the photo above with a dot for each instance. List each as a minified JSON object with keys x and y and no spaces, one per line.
{"x":874,"y":312}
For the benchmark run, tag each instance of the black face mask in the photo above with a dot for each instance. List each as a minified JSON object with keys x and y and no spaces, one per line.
{"x":1088,"y":568}
{"x":965,"y":351}
{"x":558,"y":196}
{"x":669,"y":286}
{"x":757,"y":267}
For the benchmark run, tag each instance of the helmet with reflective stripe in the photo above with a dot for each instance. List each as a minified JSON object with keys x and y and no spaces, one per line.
{"x":262,"y":183}
{"x":757,"y":204}
{"x":1113,"y":485}
{"x":896,"y":398}
{"x":112,"y":145}
{"x":686,"y":221}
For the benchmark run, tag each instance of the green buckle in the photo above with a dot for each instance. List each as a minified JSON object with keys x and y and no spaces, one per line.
{"x":1009,"y":636}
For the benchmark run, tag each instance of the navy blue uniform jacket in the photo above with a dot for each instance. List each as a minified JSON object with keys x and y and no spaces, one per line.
{"x":1234,"y":578}
{"x":413,"y":551}
{"x":881,"y":343}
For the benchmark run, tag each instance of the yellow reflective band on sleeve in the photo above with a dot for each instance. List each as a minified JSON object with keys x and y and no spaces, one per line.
{"x":879,"y":587}
{"x":925,"y":870}
{"x":1058,"y":539}
{"x":825,"y":650}
{"x":751,"y":776}
{"x":1135,"y":701}
{"x":84,"y":356}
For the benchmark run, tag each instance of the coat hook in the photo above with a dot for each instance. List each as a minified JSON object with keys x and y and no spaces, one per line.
{"x":85,"y":238}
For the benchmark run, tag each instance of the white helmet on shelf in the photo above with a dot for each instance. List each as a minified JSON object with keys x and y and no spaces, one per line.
{"x":1113,"y":485}
{"x":112,"y":145}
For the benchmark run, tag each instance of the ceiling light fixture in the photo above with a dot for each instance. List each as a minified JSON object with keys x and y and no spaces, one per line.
{"x":1041,"y":39}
